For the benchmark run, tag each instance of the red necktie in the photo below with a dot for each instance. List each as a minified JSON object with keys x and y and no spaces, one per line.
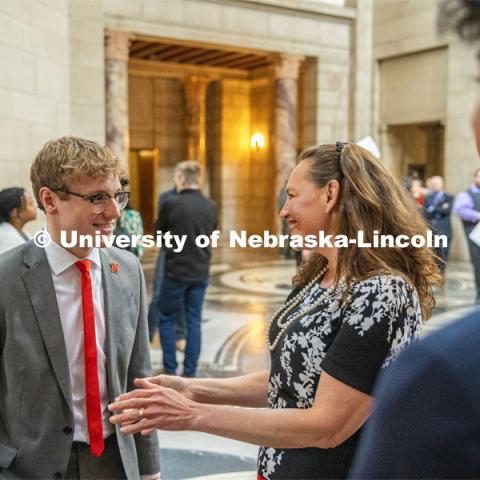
{"x":92,"y":388}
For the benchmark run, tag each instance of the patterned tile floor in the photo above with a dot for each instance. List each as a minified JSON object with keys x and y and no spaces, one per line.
{"x":241,"y":298}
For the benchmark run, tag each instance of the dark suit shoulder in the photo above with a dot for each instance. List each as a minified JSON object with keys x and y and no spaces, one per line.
{"x":462,"y":335}
{"x":457,"y":346}
{"x":196,"y":200}
{"x":167,"y":195}
{"x":168,"y":201}
{"x":427,"y":402}
{"x":205,"y":202}
{"x":168,"y":205}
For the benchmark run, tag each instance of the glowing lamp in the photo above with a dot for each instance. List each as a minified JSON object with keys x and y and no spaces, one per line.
{"x":257,"y":141}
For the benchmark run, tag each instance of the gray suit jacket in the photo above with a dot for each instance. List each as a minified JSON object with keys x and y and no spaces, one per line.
{"x":36,"y":418}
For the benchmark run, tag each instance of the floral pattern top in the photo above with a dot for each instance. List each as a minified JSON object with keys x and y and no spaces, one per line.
{"x":351,"y":341}
{"x":130,"y":223}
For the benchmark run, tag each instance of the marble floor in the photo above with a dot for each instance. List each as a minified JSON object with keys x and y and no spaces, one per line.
{"x":241,"y":298}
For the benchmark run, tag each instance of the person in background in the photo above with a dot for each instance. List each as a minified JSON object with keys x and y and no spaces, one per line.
{"x":438,"y":208}
{"x":417,"y":191}
{"x":159,"y":274}
{"x":130,"y":224}
{"x":407,"y":183}
{"x":467,"y":207}
{"x":427,"y":420}
{"x":428,"y":185}
{"x":17,"y":208}
{"x":185,"y":280}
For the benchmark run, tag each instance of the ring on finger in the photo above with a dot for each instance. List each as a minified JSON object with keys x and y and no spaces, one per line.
{"x":140,"y":412}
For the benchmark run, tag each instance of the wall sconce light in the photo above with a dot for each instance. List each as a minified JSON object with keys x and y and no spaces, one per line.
{"x":145,"y":153}
{"x":257,"y":141}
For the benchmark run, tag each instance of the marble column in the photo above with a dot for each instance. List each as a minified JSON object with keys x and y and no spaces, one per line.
{"x":116,"y":94}
{"x":286,"y":94}
{"x":392,"y":152}
{"x":362,"y":61}
{"x":195,"y":121}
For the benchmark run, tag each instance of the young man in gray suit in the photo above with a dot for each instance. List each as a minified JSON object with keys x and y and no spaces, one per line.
{"x":73,"y":329}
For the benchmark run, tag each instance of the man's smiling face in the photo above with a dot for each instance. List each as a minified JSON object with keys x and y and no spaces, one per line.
{"x":72,"y":213}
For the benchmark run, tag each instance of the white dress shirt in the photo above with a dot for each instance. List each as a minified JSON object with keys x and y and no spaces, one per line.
{"x":68,"y":290}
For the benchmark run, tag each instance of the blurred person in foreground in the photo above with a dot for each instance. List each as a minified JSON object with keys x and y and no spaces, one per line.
{"x":427,"y":421}
{"x":17,"y":208}
{"x":73,"y":328}
{"x":351,"y":312}
{"x":438,"y":209}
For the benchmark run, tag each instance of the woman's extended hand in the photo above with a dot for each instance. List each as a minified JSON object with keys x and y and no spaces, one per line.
{"x":153,"y":407}
{"x":180,"y":384}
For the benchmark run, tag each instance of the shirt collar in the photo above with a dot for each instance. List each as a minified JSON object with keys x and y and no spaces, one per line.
{"x":60,"y":259}
{"x":190,"y":190}
{"x":474,"y":188}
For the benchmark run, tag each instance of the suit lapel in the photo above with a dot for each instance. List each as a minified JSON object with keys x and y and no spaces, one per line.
{"x":39,"y":285}
{"x":113,"y":297}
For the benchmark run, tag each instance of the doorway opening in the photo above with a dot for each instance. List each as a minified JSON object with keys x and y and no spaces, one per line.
{"x":144,"y":185}
{"x":420,"y":149}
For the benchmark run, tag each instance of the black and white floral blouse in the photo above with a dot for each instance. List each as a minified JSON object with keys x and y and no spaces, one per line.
{"x":351,"y":342}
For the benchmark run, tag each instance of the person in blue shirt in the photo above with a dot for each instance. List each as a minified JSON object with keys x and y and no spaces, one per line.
{"x":467,"y":207}
{"x":427,"y":420}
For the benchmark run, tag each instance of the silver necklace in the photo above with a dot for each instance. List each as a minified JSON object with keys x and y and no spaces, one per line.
{"x":282,"y":313}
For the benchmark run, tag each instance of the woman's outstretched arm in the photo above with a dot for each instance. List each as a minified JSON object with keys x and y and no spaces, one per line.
{"x":243,"y":391}
{"x":338,"y":412}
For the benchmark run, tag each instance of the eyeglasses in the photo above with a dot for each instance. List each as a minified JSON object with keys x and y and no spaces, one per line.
{"x":100,"y":201}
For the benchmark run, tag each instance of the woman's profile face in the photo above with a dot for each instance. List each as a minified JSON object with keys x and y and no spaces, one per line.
{"x":305,"y":207}
{"x":29,"y":210}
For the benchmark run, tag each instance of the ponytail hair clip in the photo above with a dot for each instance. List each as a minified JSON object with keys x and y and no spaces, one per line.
{"x":340,"y":146}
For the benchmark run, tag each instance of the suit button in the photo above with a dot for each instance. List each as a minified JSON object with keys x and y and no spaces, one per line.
{"x":67,"y":431}
{"x":57,"y":475}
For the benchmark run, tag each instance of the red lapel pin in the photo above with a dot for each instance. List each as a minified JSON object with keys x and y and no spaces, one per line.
{"x":114,"y":267}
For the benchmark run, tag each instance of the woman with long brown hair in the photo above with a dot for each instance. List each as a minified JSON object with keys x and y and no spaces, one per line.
{"x":352,"y":311}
